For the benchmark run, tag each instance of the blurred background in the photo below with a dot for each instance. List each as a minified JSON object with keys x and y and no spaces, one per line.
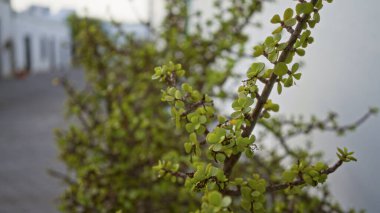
{"x":341,"y":74}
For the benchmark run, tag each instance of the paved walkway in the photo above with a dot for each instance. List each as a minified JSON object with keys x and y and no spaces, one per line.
{"x":29,"y":110}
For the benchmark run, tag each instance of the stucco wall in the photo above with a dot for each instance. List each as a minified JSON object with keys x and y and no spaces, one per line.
{"x":49,"y":42}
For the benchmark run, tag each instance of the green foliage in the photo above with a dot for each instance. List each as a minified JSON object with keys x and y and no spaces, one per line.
{"x":258,"y":183}
{"x":131,"y":151}
{"x":121,"y":129}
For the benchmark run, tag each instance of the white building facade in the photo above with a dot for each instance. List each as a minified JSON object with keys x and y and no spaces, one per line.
{"x":33,"y":41}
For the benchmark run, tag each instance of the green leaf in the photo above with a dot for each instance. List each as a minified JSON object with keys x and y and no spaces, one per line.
{"x":256,"y":194}
{"x":186,"y":87}
{"x":221,"y":119}
{"x":236,"y":114}
{"x":341,"y":151}
{"x":275,"y":107}
{"x":317,"y":17}
{"x":194,"y":119}
{"x":172,"y":90}
{"x":279,"y":88}
{"x":295,"y":67}
{"x":320,"y":166}
{"x":180,"y":73}
{"x":220,"y":156}
{"x":290,"y":22}
{"x":289,"y":176}
{"x":236,"y":105}
{"x":169,"y":98}
{"x":216,"y":147}
{"x":193,"y":137}
{"x":300,"y":52}
{"x":319,"y":4}
{"x":156,"y":76}
{"x":277,"y":30}
{"x":242,"y":102}
{"x":188,"y":146}
{"x":246,"y":204}
{"x":297,"y":76}
{"x":178,"y":94}
{"x":305,"y":8}
{"x":281,"y":46}
{"x":246,"y":110}
{"x":273,"y":56}
{"x":310,"y":40}
{"x":269,"y":105}
{"x":288,"y":14}
{"x":246,"y":192}
{"x":277,"y":37}
{"x":202,"y":119}
{"x":220,"y":132}
{"x":215,"y":198}
{"x":212,"y":138}
{"x":255,"y":69}
{"x":352,"y":158}
{"x":270,"y":49}
{"x":308,"y":179}
{"x":258,"y":207}
{"x":189,"y":127}
{"x":258,"y":50}
{"x":261,"y":186}
{"x":252,"y":183}
{"x":179,"y":104}
{"x":226,"y":201}
{"x":243,"y":142}
{"x":238,"y":181}
{"x":289,"y":59}
{"x":374,"y":110}
{"x":269,"y":42}
{"x":288,"y":82}
{"x":275,"y":19}
{"x":280,"y":69}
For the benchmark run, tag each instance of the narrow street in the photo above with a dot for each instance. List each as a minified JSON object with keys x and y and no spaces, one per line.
{"x":29,"y":111}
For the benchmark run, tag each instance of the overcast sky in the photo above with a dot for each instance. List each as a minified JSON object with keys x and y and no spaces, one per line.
{"x":125,"y":10}
{"x":341,"y":74}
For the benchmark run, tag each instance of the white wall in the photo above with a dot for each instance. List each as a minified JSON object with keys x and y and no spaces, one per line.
{"x":50,"y":42}
{"x":53,"y":33}
{"x":5,"y":33}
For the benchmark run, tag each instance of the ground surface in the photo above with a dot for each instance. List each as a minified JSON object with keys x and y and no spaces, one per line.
{"x":29,"y":110}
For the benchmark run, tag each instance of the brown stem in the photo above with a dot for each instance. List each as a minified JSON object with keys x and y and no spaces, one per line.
{"x":231,"y":161}
{"x":179,"y":174}
{"x":326,"y":127}
{"x":301,"y":181}
{"x":298,"y":182}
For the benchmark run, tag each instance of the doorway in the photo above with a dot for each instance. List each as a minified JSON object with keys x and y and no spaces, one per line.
{"x":52,"y":55}
{"x":28,"y":54}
